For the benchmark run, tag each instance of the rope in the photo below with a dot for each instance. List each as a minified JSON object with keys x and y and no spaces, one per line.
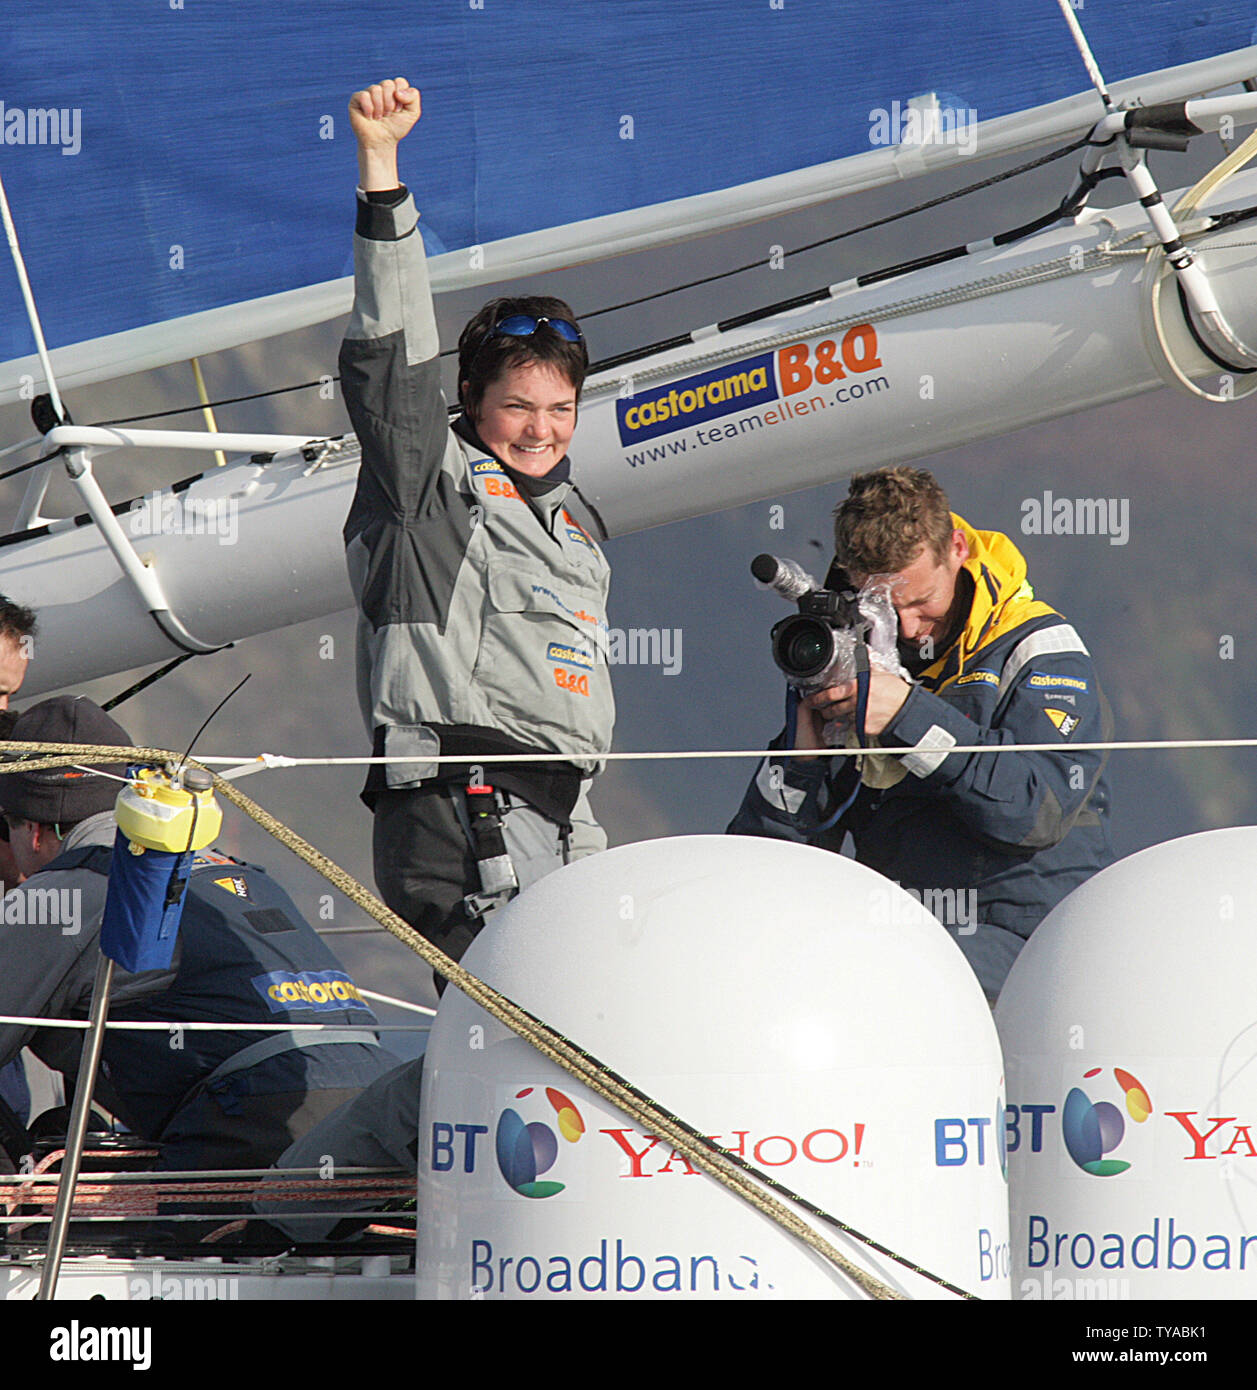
{"x":729,"y":1169}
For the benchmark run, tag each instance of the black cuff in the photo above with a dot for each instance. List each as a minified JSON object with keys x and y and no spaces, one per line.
{"x":375,"y":220}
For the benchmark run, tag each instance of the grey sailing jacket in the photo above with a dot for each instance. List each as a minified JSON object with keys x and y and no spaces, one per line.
{"x":478,"y":606}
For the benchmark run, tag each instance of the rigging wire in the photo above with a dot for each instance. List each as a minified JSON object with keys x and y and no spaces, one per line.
{"x":839,"y":236}
{"x":45,"y":458}
{"x":28,"y":297}
{"x":146,"y":681}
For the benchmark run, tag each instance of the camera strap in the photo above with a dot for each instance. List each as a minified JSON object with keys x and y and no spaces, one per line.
{"x":862,"y":670}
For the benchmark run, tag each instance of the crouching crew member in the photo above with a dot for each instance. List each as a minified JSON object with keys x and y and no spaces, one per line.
{"x":212,"y":1099}
{"x":1002,"y":836}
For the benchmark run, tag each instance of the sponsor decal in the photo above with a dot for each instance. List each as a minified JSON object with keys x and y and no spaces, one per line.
{"x":492,"y":481}
{"x":286,"y":990}
{"x":994,"y":1258}
{"x":1044,"y":680}
{"x":576,"y":532}
{"x":571,"y":682}
{"x":579,"y":614}
{"x":525,"y":1150}
{"x":235,"y":884}
{"x":960,"y":1140}
{"x":533,"y":1148}
{"x":1092,"y":1130}
{"x":980,"y":678}
{"x":572,"y":673}
{"x":570,"y":656}
{"x":695,"y":399}
{"x":1089,"y":1132}
{"x":1165,"y":1246}
{"x":739,"y":386}
{"x":608,"y":1270}
{"x":646,"y":1157}
{"x":1065,"y":722}
{"x":800,"y":366}
{"x":1241,"y":1139}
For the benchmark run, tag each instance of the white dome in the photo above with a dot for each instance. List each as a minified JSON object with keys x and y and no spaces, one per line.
{"x":789,"y":1002}
{"x":1129,"y":1028}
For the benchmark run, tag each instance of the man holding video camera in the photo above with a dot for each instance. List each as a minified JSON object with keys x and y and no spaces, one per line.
{"x":1012,"y":833}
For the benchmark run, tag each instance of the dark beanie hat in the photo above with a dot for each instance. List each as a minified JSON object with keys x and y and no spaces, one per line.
{"x":63,"y":795}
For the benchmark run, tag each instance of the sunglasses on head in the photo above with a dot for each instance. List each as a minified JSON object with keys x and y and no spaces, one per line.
{"x":525,"y":325}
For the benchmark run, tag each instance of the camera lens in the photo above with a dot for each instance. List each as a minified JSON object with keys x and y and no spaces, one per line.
{"x":803,"y":646}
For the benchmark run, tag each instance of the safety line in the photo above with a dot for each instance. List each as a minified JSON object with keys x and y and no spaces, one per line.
{"x":238,"y":767}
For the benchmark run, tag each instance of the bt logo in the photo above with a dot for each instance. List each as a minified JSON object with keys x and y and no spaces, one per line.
{"x":526,"y":1150}
{"x":1091,"y":1131}
{"x":957,"y":1139}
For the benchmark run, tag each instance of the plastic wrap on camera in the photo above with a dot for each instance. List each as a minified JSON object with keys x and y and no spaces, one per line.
{"x":876,"y":769}
{"x":883,"y":639}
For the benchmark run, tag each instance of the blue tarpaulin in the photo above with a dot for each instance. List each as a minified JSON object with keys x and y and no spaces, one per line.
{"x":164,"y":158}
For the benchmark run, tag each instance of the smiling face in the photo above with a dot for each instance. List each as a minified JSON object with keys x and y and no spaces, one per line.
{"x":526,"y":417}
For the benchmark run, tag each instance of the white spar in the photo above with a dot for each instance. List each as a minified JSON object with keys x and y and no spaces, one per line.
{"x":996,"y":341}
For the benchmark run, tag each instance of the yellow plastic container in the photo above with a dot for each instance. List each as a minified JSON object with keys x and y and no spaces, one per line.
{"x":154,"y":813}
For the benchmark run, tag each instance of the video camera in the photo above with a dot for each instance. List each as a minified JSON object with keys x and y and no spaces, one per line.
{"x":815,"y":647}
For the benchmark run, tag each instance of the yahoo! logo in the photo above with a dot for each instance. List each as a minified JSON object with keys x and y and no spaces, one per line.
{"x":1092,"y":1130}
{"x":526,"y":1150}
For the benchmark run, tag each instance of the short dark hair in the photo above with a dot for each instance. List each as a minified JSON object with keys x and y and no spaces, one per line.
{"x":483,"y":355}
{"x":888,"y":517}
{"x":16,"y":620}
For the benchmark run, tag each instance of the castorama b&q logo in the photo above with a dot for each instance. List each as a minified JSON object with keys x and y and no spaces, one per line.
{"x":1091,"y":1131}
{"x":526,"y":1150}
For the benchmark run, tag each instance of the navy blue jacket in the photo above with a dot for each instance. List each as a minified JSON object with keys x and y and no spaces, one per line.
{"x":244,"y":955}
